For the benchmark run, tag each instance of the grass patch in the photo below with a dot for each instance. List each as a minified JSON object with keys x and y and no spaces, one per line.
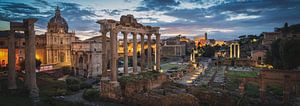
{"x":233,"y":81}
{"x":237,"y":74}
{"x":91,"y":94}
{"x":141,"y":76}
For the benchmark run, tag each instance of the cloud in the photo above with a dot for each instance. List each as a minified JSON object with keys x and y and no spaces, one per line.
{"x":233,"y":17}
{"x":215,"y":30}
{"x":221,"y":18}
{"x":158,"y":5}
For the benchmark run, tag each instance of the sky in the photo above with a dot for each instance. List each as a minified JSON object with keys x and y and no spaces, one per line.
{"x":221,"y":19}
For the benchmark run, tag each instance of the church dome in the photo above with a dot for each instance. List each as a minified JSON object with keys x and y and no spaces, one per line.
{"x":57,"y":23}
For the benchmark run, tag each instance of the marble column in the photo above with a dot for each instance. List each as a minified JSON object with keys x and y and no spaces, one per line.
{"x":30,"y":61}
{"x":114,"y":58}
{"x":238,"y":50}
{"x":234,"y":50}
{"x":157,"y":52}
{"x":125,"y":54}
{"x":231,"y":50}
{"x":11,"y":61}
{"x":149,"y":60}
{"x":134,"y":53}
{"x":142,"y":53}
{"x":104,"y":56}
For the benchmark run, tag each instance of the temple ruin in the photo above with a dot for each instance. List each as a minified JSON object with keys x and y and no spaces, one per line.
{"x":127,"y":25}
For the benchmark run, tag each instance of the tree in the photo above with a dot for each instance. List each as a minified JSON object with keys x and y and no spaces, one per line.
{"x":209,"y":51}
{"x":284,"y":54}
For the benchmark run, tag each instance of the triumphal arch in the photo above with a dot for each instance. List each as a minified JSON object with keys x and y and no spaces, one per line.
{"x":128,"y":25}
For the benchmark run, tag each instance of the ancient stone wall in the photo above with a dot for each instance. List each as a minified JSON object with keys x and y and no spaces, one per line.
{"x":142,"y":85}
{"x":239,"y":62}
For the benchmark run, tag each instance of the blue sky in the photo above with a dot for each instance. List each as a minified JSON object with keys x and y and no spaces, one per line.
{"x":222,"y":19}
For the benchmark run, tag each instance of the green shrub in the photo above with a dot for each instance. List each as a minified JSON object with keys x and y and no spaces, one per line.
{"x":61,"y":91}
{"x":74,"y":87}
{"x":91,"y":94}
{"x":72,"y":81}
{"x":126,"y":79}
{"x":85,"y":85}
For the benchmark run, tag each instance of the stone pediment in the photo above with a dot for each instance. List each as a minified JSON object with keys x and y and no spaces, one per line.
{"x":127,"y":23}
{"x":129,"y":20}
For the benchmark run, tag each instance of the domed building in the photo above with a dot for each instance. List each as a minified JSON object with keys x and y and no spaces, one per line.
{"x":57,"y":23}
{"x":58,"y":41}
{"x":52,"y":48}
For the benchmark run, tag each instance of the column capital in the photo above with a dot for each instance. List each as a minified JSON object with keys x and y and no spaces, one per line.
{"x":30,"y":20}
{"x":133,"y":33}
{"x":157,"y":34}
{"x":149,"y":34}
{"x":103,"y":31}
{"x":125,"y":33}
{"x":113,"y":30}
{"x":142,"y":34}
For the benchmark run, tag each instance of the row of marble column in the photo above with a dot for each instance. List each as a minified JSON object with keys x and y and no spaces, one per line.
{"x":30,"y":62}
{"x":114,"y":54}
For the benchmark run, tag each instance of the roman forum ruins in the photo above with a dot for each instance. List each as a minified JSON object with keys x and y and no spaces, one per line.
{"x":30,"y":77}
{"x":128,"y":25}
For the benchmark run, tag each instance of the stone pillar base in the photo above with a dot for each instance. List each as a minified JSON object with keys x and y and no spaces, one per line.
{"x":135,"y":73}
{"x":110,"y":90}
{"x":114,"y":83}
{"x":105,"y":79}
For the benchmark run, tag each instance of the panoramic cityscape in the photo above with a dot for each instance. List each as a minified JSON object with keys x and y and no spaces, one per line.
{"x":149,"y":53}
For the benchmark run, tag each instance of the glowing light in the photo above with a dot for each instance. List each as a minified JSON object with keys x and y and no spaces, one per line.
{"x":192,"y":78}
{"x":161,"y":71}
{"x":189,"y":81}
{"x":198,"y":73}
{"x":38,"y":57}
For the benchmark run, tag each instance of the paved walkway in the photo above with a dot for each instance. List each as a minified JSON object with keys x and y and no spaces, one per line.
{"x":76,"y":97}
{"x":209,"y":76}
{"x":189,"y":78}
{"x":220,"y":75}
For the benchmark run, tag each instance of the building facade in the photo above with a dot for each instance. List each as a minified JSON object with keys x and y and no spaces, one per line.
{"x":177,"y":46}
{"x":52,"y":48}
{"x":258,"y":56}
{"x":58,"y":41}
{"x":87,"y":56}
{"x":286,"y":32}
